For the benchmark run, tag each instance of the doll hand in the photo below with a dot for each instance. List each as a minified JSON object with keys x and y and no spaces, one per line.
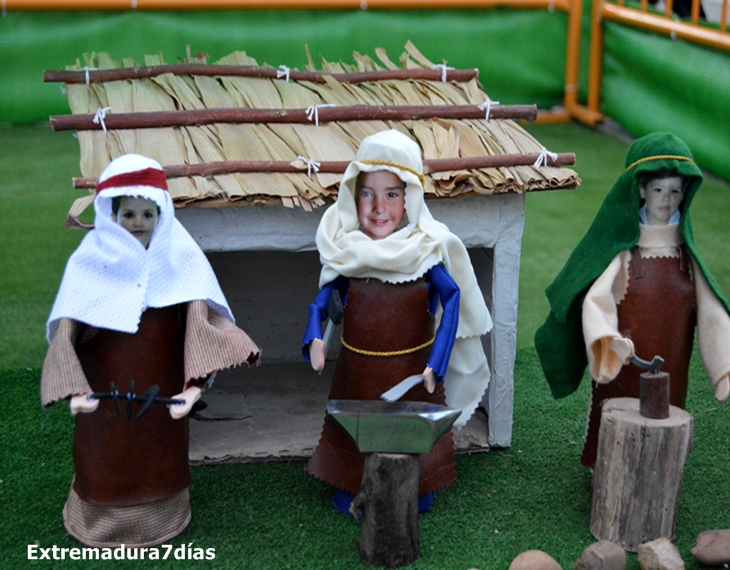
{"x":82,"y":403}
{"x":191,"y":395}
{"x":429,"y":379}
{"x":316,"y":354}
{"x":722,"y":390}
{"x":622,"y":347}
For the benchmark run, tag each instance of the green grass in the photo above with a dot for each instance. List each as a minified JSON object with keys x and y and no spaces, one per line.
{"x":533,"y":495}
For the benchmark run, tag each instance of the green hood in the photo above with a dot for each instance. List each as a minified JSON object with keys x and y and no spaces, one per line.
{"x":559,"y":342}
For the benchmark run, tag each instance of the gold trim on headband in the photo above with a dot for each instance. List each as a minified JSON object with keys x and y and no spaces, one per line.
{"x":660,"y":157}
{"x":389,"y":353}
{"x":396,"y":165}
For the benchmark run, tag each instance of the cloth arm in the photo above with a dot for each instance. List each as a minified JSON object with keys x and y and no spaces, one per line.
{"x":319,"y":311}
{"x":607,"y":349}
{"x":212,"y":343}
{"x":449,"y":295}
{"x":62,"y":375}
{"x":713,"y":330}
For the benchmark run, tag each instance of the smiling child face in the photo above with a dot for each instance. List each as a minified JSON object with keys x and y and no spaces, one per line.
{"x":663,"y":196}
{"x":380,"y":198}
{"x":138,"y":216}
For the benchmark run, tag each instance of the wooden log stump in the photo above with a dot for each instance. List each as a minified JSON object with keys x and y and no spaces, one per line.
{"x":638,"y":473}
{"x":388,"y":500}
{"x":654,"y":395}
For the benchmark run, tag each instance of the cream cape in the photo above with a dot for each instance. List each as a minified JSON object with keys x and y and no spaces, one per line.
{"x":111,"y":278}
{"x":408,"y":254}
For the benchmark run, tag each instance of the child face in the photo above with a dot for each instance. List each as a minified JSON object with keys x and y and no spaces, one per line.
{"x":138,"y":216}
{"x":380,"y":201}
{"x":663,"y":196}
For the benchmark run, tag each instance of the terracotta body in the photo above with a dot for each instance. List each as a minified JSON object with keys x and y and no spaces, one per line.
{"x":120,"y":461}
{"x":381,"y":317}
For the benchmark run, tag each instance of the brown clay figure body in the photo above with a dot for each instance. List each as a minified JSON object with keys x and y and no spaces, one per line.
{"x":635,"y":285}
{"x":138,"y":327}
{"x":412,"y":306}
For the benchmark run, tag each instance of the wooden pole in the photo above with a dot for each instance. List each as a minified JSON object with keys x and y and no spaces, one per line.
{"x":638,"y":473}
{"x":388,"y":500}
{"x":338,"y":167}
{"x":159,"y":119}
{"x":202,"y":69}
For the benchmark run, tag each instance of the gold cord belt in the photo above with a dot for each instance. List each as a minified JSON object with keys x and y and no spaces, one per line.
{"x":387,"y":353}
{"x":659,"y":157}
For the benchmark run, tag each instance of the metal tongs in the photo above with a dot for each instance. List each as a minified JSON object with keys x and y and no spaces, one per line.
{"x":654,"y":367}
{"x":147,"y":399}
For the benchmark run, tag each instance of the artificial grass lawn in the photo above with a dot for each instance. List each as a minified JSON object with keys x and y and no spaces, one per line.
{"x":533,"y":495}
{"x":274,"y":515}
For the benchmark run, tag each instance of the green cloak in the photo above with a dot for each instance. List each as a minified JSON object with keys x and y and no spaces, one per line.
{"x":559,"y":341}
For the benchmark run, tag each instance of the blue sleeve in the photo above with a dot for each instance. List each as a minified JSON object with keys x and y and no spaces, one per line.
{"x":442,"y":284}
{"x":319,"y":311}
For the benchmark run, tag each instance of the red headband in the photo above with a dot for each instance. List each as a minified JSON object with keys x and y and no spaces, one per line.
{"x":147,"y":177}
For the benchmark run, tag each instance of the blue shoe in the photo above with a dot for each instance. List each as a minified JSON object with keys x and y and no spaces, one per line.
{"x":341,"y":500}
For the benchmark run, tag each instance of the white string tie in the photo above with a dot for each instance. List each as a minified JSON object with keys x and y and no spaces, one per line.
{"x":487,"y":106}
{"x":311,"y":165}
{"x":443,"y":67}
{"x":100,"y":116}
{"x":134,"y":4}
{"x":87,"y":69}
{"x":542,"y":159}
{"x":313,"y":111}
{"x":283,"y":71}
{"x":5,"y":8}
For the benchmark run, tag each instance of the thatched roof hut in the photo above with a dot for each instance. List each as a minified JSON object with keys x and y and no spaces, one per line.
{"x":238,"y":133}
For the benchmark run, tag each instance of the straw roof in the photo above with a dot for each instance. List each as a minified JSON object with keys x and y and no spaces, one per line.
{"x":180,"y":144}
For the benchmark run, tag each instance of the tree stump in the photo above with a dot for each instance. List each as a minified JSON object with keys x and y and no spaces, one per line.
{"x":638,"y":473}
{"x":388,"y":500}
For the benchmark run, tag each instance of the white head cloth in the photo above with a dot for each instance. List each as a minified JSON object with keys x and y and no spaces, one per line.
{"x":407,"y":254}
{"x":111,"y":278}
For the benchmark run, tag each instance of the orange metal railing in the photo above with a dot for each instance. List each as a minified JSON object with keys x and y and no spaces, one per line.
{"x":662,"y":23}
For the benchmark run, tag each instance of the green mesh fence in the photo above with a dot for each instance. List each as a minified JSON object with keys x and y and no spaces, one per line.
{"x":520,"y":54}
{"x":652,"y":83}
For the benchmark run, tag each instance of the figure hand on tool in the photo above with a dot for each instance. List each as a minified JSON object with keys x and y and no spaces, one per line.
{"x":429,"y":379}
{"x":191,"y":395}
{"x":316,"y":354}
{"x":722,"y":390}
{"x":81,"y":403}
{"x":610,"y":353}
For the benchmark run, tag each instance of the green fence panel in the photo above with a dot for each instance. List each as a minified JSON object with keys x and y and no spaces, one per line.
{"x":520,"y":53}
{"x":652,"y":83}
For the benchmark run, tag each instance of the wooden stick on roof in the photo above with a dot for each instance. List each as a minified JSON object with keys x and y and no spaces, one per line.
{"x":100,"y":75}
{"x":237,"y":115}
{"x":430,"y":165}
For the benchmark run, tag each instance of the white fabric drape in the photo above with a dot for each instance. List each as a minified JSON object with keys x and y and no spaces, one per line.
{"x":407,"y":254}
